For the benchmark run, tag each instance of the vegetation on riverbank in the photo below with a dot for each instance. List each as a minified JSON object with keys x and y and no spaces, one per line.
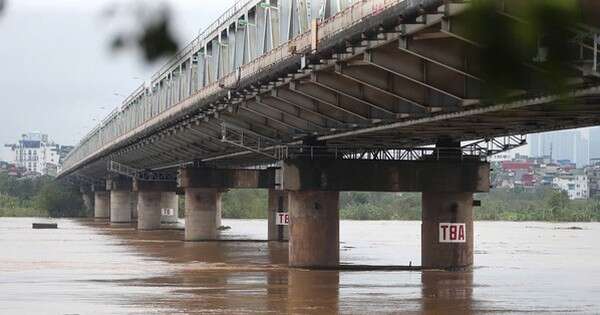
{"x":38,"y":197}
{"x":544,"y":204}
{"x":45,"y":197}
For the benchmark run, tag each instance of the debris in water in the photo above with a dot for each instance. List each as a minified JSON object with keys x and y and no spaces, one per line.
{"x":44,"y":226}
{"x":223,"y":227}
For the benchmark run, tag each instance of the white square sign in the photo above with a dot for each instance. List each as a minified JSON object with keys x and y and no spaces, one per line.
{"x":282,"y":218}
{"x":453,"y":232}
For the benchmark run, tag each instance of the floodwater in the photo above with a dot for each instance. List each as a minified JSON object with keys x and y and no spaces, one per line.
{"x":88,"y":267}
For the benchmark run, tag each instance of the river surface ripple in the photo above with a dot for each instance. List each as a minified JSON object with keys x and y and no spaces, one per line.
{"x":89,"y":267}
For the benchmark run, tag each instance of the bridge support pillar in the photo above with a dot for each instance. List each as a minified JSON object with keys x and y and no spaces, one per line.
{"x":201,"y":209}
{"x":445,"y":245}
{"x":88,"y":198}
{"x":153,"y":196}
{"x":170,"y":200}
{"x":120,"y":206}
{"x":120,"y":199}
{"x":278,"y":202}
{"x":149,"y":203}
{"x":101,"y":204}
{"x":134,"y":205}
{"x":314,"y":229}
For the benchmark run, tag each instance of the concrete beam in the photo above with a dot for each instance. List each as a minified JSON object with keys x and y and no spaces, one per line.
{"x":386,"y":176}
{"x":120,"y":183}
{"x":157,"y":186}
{"x":203,"y":177}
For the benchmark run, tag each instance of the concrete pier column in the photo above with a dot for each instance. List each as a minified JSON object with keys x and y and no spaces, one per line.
{"x":170,"y":200}
{"x":149,"y":205}
{"x":120,"y":206}
{"x":201,"y":208}
{"x":88,"y":201}
{"x":134,"y":205}
{"x":277,"y":202}
{"x":101,"y":204}
{"x":219,"y":214}
{"x":314,"y":229}
{"x":120,"y":199}
{"x":444,"y":244}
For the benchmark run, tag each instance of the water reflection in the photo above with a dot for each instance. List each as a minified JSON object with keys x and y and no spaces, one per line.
{"x":447,"y":292}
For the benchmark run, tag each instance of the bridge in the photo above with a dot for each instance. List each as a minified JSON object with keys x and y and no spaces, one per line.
{"x":307,"y":98}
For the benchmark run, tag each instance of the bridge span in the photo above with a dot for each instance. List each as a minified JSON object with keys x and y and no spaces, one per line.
{"x":308,"y":98}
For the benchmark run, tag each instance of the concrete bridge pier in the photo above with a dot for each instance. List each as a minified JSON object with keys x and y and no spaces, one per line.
{"x":169,"y":200}
{"x":453,"y":249}
{"x":120,"y":199}
{"x":150,"y":201}
{"x":278,"y":202}
{"x":204,"y":187}
{"x":314,"y":229}
{"x":447,"y":215}
{"x":101,"y":204}
{"x":201,"y":210}
{"x":88,"y":197}
{"x":446,"y":181}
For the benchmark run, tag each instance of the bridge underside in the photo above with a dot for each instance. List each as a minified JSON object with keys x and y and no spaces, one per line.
{"x":404,"y":85}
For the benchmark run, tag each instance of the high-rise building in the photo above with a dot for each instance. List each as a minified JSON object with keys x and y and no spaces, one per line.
{"x":594,"y":144}
{"x":568,"y":145}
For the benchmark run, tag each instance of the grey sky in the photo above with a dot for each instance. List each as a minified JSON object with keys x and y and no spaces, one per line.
{"x":58,"y":72}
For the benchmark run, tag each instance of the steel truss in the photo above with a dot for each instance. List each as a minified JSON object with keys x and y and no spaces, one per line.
{"x":144,"y":175}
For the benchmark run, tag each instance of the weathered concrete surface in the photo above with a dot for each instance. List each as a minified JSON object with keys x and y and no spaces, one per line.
{"x":314,"y":229}
{"x":120,"y":206}
{"x":169,"y":200}
{"x":201,"y":206}
{"x":102,"y":204}
{"x":134,"y":205}
{"x":278,"y":202}
{"x":88,"y":201}
{"x":160,"y":186}
{"x":149,"y":205}
{"x":392,"y":176}
{"x":202,"y":177}
{"x":446,"y":208}
{"x":119,"y":183}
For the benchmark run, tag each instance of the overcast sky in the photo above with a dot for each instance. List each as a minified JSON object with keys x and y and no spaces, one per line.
{"x":57,"y":71}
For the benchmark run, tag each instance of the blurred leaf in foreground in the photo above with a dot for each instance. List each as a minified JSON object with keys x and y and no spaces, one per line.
{"x":154,"y":38}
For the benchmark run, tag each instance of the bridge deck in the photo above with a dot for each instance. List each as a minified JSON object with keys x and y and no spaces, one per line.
{"x":360,"y":76}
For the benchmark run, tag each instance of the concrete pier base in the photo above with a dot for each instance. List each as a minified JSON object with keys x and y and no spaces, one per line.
{"x":437,"y":252}
{"x":120,"y":206}
{"x":101,"y":204}
{"x":201,"y":209}
{"x":149,"y":206}
{"x":278,"y":202}
{"x":88,"y":201}
{"x":134,"y":205}
{"x":314,"y":229}
{"x":170,"y":200}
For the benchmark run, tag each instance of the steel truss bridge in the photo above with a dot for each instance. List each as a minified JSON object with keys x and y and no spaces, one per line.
{"x":362,"y":79}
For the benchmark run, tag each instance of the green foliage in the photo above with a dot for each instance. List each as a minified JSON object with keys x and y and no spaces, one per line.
{"x":41,"y":196}
{"x":509,"y":43}
{"x":543,"y":204}
{"x":245,"y":203}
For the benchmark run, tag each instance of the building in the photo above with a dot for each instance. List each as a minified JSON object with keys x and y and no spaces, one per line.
{"x":593,"y":174}
{"x":565,"y":145}
{"x":37,"y":154}
{"x":576,"y":186}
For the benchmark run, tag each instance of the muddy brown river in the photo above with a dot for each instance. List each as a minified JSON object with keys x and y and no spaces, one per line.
{"x":89,"y":267}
